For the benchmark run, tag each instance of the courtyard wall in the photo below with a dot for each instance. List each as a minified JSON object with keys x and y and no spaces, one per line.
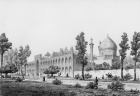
{"x":100,"y":73}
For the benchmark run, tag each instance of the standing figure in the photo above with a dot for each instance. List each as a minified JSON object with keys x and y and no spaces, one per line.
{"x":43,"y":78}
{"x":96,"y":80}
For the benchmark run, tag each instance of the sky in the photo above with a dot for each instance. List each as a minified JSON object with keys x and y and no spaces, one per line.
{"x":48,"y":25}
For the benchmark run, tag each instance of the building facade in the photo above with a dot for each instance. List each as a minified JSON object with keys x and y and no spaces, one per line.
{"x":68,"y":63}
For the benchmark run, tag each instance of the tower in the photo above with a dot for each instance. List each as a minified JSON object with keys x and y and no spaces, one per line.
{"x":91,"y":51}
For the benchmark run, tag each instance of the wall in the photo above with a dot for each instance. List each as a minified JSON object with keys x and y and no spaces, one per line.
{"x":100,"y":73}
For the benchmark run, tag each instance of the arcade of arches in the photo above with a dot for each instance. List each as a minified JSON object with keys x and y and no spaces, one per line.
{"x":65,"y":63}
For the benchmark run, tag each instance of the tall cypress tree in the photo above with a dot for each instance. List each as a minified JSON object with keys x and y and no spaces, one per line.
{"x":81,"y":47}
{"x":124,"y":47}
{"x":4,"y":46}
{"x":135,"y":52}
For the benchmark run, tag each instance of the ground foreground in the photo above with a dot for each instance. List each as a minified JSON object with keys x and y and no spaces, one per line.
{"x":32,"y":88}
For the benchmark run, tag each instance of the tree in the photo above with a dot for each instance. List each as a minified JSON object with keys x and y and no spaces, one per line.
{"x":54,"y":54}
{"x":4,"y":46}
{"x":11,"y":57}
{"x":124,"y":47}
{"x":52,"y":70}
{"x":66,"y":50}
{"x":48,"y":54}
{"x":135,"y":52}
{"x":8,"y":69}
{"x":81,"y":47}
{"x":61,"y":51}
{"x":71,"y":50}
{"x":116,"y":65}
{"x":23,"y":55}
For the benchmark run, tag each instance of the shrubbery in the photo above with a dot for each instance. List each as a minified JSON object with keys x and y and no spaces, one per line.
{"x":129,"y":67}
{"x":116,"y":86}
{"x":18,"y":79}
{"x":57,"y":82}
{"x":104,"y":66}
{"x":88,"y":76}
{"x":127,"y":77}
{"x":115,"y":78}
{"x":134,"y":91}
{"x":92,"y":85}
{"x":77,"y":76}
{"x":89,"y":69}
{"x":77,"y":85}
{"x":109,"y":75}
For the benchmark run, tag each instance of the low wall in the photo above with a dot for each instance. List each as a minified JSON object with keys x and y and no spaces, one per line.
{"x":100,"y":73}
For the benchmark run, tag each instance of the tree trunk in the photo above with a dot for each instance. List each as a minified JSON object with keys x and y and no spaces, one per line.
{"x":25,"y":69}
{"x":1,"y":63}
{"x":51,"y":75}
{"x":22,"y":73}
{"x":135,"y":72}
{"x":122,"y":69}
{"x":83,"y":71}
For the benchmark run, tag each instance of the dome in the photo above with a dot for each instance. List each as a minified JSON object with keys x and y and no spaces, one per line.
{"x":108,"y":44}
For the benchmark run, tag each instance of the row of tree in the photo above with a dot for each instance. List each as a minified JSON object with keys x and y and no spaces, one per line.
{"x":13,"y":59}
{"x":135,"y":52}
{"x":61,"y":52}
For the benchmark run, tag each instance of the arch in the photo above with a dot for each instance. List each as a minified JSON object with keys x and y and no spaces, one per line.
{"x":70,"y":60}
{"x":66,"y":60}
{"x":66,"y":70}
{"x":37,"y":68}
{"x":58,"y":61}
{"x":49,"y":62}
{"x":70,"y":70}
{"x":62,"y":70}
{"x":62,"y":60}
{"x":53,"y":62}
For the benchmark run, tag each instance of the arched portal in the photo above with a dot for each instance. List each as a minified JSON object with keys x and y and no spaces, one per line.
{"x":66,"y":70}
{"x":37,"y":68}
{"x":70,"y":69}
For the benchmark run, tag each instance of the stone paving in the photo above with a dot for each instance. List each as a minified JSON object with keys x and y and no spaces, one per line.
{"x":128,"y":86}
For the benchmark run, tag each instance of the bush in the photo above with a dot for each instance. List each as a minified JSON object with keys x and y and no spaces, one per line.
{"x":134,"y":91}
{"x":7,"y":76}
{"x":77,"y":85}
{"x":129,"y":67}
{"x":18,"y":79}
{"x":14,"y":78}
{"x":103,"y":77}
{"x":80,"y":78}
{"x":89,"y":69}
{"x":109,"y":75}
{"x":88,"y":76}
{"x":77,"y":76}
{"x":103,"y":66}
{"x":92,"y":85}
{"x":116,"y":78}
{"x":57,"y":82}
{"x":127,"y":77}
{"x":116,"y":86}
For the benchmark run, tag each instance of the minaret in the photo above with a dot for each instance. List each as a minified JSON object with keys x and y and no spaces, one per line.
{"x":91,"y":51}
